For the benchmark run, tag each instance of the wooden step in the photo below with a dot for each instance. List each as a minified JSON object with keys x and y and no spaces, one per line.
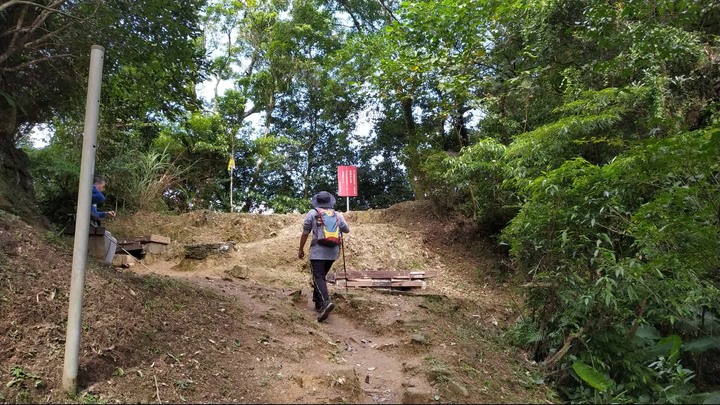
{"x":129,"y":246}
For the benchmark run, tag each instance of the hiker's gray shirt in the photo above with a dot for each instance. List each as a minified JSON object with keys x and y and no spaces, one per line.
{"x":317,"y":251}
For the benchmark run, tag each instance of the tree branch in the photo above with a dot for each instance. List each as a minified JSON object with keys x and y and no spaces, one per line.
{"x":16,"y":34}
{"x":30,"y":3}
{"x":387,"y":9}
{"x":565,"y":347}
{"x":47,"y":36}
{"x":22,"y":34}
{"x":250,"y":112}
{"x":35,"y":61}
{"x":40,"y":20}
{"x":9,"y":4}
{"x":347,"y":8}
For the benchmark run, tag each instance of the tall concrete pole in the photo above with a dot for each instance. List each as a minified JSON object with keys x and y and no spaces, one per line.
{"x":82,"y":221}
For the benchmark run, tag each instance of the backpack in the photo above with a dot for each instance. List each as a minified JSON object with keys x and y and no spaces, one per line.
{"x":327,"y":229}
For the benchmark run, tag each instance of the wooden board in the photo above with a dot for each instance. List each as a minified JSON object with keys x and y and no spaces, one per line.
{"x":385,"y":283}
{"x":156,"y":239}
{"x":380,"y":274}
{"x":129,"y":245}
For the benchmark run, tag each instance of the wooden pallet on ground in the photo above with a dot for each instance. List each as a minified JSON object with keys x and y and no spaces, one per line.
{"x":380,"y":278}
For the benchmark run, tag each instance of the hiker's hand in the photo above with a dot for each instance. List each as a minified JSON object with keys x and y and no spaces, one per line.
{"x":301,"y":254}
{"x":110,"y":214}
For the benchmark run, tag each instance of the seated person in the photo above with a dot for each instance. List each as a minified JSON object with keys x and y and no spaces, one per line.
{"x":95,"y":216}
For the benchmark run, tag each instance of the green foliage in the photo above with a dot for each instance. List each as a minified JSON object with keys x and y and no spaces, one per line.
{"x":89,"y":398}
{"x":594,"y":127}
{"x":613,"y":152}
{"x":142,"y":179}
{"x":667,"y":379}
{"x":471,"y":182}
{"x":632,"y":241}
{"x":23,"y":381}
{"x":599,"y":381}
{"x":56,"y":170}
{"x":151,"y":57}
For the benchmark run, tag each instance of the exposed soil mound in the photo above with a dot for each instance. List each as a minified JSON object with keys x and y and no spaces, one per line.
{"x":240,"y":327}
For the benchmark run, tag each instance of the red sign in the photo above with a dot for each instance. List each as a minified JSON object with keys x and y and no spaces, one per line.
{"x":347,"y":181}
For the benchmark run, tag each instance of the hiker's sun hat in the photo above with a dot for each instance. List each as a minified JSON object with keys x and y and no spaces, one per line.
{"x":323,"y":199}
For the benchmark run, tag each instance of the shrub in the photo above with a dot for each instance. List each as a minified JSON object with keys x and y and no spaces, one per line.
{"x":634,"y":242}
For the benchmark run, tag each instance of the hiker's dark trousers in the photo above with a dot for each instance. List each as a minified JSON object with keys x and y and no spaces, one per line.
{"x":320,"y":269}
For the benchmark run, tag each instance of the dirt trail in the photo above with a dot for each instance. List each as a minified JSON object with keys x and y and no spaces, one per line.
{"x":240,"y":327}
{"x":438,"y":344}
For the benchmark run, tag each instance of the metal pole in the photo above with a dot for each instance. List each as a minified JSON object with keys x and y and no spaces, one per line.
{"x":82,"y":221}
{"x":348,"y":204}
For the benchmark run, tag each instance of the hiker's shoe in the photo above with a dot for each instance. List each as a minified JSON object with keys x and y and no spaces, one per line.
{"x":325,"y":311}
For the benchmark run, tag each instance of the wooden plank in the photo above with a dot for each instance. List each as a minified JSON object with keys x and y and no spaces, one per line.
{"x":127,"y":241}
{"x":147,"y":239}
{"x":380,"y":274}
{"x":369,"y":283}
{"x":413,"y":292}
{"x":156,"y":239}
{"x":409,"y":284}
{"x":129,"y":245}
{"x":386,"y":283}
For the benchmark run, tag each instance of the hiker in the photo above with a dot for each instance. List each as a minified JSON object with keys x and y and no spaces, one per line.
{"x":322,"y":255}
{"x":95,"y":216}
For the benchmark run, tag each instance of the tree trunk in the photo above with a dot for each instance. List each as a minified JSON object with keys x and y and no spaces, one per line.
{"x":461,"y":130}
{"x":310,"y":160}
{"x":255,"y":178}
{"x":17,"y":195}
{"x":414,"y":158}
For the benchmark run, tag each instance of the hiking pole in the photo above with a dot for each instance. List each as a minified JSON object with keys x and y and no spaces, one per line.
{"x":342,"y":246}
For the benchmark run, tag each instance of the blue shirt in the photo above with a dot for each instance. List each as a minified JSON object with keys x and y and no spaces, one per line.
{"x":97,"y":198}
